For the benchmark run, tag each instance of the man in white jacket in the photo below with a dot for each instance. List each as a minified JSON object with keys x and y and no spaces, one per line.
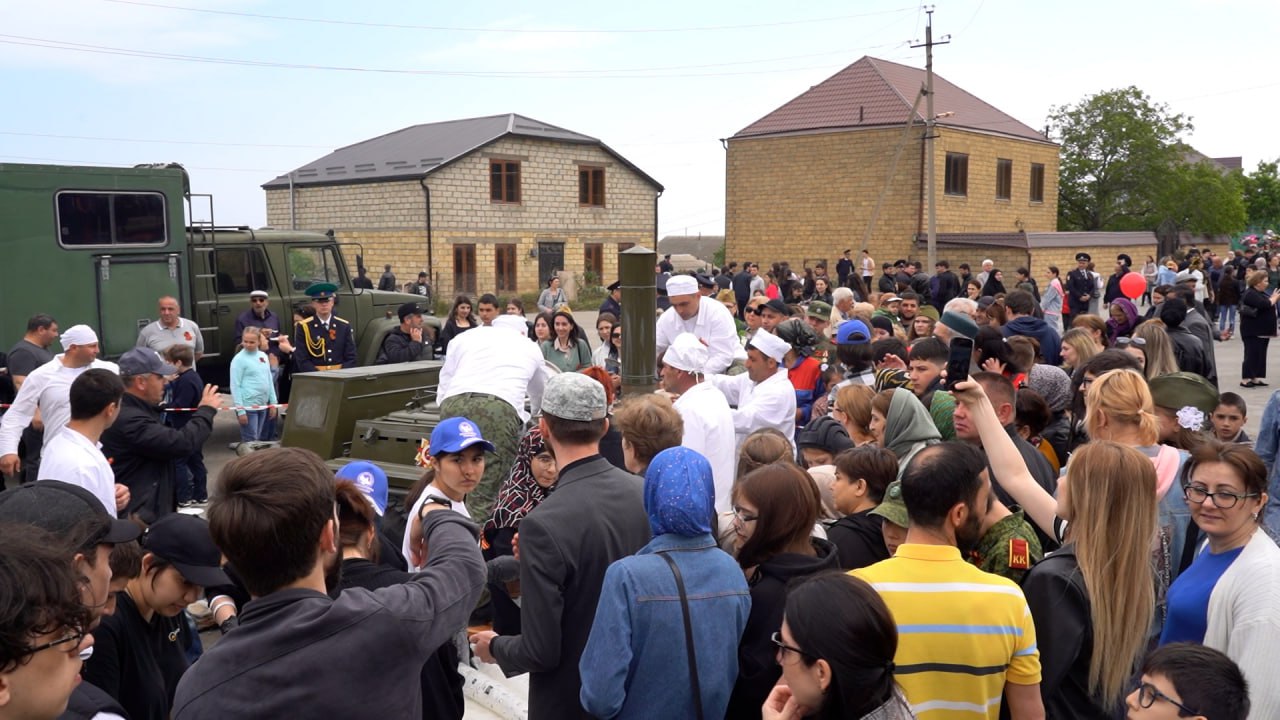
{"x":705,"y":317}
{"x":763,"y":397}
{"x":708,"y":421}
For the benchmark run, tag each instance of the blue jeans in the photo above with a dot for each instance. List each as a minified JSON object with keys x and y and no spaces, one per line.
{"x":1226,"y":318}
{"x":252,"y":430}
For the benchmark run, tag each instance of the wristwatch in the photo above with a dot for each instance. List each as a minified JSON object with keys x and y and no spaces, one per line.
{"x":433,"y":499}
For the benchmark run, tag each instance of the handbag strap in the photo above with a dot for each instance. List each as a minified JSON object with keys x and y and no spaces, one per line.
{"x":688,"y":634}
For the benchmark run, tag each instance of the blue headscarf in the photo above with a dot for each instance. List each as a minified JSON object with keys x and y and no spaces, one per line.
{"x":678,"y":493}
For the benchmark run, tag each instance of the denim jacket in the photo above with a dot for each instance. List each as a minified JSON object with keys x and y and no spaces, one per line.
{"x":1268,"y":446}
{"x":635,"y":663}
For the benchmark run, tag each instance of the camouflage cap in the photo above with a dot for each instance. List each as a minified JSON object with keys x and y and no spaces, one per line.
{"x":893,"y":508}
{"x":574,"y":396}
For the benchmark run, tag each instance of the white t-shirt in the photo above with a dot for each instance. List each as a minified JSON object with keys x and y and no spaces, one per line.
{"x":47,"y":388}
{"x":430,"y":491}
{"x":73,"y":458}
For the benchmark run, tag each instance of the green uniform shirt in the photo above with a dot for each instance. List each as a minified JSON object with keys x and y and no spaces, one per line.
{"x":1008,"y":549}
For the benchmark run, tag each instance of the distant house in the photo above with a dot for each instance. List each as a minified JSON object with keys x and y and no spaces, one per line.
{"x":702,"y":247}
{"x":803,"y":182}
{"x":488,"y":204}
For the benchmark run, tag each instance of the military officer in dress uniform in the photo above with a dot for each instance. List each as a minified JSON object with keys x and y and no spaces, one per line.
{"x":1080,"y":286}
{"x":323,"y":341}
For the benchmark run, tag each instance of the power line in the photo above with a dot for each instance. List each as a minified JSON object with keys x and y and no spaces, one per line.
{"x":158,"y":142}
{"x":640,"y":73}
{"x":525,"y":31}
{"x":99,"y":163}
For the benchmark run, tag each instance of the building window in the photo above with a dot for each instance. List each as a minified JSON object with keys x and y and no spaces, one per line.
{"x":504,"y":265}
{"x":1037,"y":182}
{"x":591,"y":186}
{"x":504,"y":181}
{"x":1004,"y":178}
{"x":593,"y":262}
{"x":104,"y":218}
{"x":957,"y":181}
{"x":464,"y":269}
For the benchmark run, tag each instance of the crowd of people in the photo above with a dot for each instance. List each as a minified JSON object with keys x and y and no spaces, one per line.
{"x":906,"y":496}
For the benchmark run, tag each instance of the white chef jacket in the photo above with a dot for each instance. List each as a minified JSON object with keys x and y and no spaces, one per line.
{"x":770,"y":404}
{"x":494,"y":361}
{"x":48,"y":388}
{"x":709,"y":431}
{"x":713,"y":325}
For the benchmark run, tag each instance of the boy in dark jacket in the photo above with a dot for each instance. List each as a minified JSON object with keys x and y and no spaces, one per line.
{"x":190,"y":475}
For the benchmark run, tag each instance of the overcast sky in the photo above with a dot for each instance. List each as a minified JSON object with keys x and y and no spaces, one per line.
{"x":242,"y":91}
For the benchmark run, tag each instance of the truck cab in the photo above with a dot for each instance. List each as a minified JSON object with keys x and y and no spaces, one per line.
{"x":100,"y":246}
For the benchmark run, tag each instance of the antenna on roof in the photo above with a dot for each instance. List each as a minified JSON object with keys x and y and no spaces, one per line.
{"x":929,"y":134}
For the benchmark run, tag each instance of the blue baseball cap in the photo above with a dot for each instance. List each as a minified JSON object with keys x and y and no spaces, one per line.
{"x":853,"y":332}
{"x":368,"y":479}
{"x":455,"y":435}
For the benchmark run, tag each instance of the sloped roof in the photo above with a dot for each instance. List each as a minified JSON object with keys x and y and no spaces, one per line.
{"x":1090,"y":239}
{"x":873,"y":92}
{"x":419,"y":150}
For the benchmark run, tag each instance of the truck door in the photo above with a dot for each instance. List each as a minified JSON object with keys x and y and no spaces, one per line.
{"x":128,"y":288}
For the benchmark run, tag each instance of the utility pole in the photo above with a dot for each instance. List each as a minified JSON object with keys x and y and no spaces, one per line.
{"x":929,"y":136}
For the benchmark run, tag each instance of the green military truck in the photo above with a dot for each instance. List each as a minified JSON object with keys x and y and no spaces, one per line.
{"x":100,"y":246}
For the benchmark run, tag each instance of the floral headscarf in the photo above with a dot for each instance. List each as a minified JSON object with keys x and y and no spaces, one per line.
{"x":520,"y":492}
{"x":679,"y":494}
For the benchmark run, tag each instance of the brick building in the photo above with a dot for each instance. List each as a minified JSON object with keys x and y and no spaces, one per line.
{"x":803,"y":182}
{"x":490,"y":204}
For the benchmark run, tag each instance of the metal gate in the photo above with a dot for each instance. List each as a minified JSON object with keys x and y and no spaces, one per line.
{"x":550,"y":260}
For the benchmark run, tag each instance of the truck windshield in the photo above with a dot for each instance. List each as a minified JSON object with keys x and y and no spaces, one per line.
{"x":309,"y":265}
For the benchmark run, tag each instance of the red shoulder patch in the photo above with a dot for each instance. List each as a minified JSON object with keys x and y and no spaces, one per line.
{"x":1019,"y":554}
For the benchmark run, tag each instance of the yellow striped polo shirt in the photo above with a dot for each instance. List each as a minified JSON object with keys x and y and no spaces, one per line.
{"x":962,"y":633}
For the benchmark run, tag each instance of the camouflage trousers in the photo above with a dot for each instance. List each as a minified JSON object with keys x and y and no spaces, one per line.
{"x":500,"y":425}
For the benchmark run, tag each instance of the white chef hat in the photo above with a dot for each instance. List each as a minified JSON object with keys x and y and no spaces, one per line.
{"x":514,"y":323}
{"x":770,"y":344}
{"x":686,"y":353}
{"x":78,"y":335}
{"x":682,"y":285}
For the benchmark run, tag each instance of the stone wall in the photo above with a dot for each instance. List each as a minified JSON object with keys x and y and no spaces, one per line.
{"x":387,"y":220}
{"x":809,"y":196}
{"x":979,"y":210}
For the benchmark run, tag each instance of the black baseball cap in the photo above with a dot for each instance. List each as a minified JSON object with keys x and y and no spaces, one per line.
{"x":407,"y":309}
{"x":65,"y":510}
{"x":779,"y":307}
{"x":184,"y":541}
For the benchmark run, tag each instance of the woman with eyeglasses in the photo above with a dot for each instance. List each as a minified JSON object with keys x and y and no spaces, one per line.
{"x":1229,"y":599}
{"x":836,"y":648}
{"x":140,"y":651}
{"x":775,"y":508}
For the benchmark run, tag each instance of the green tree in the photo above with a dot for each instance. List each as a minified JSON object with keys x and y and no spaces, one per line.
{"x":1118,"y":148}
{"x":1199,"y":197}
{"x":1262,"y":195}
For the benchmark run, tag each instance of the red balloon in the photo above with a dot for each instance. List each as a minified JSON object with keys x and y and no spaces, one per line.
{"x":1133,"y":285}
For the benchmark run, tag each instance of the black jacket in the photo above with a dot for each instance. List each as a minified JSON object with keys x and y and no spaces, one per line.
{"x":1197,"y":323}
{"x":1060,"y":606}
{"x":595,"y":516}
{"x":137,"y":662}
{"x":1112,"y":290}
{"x":1188,"y":352}
{"x":887,"y":283}
{"x":948,"y":289}
{"x":1079,"y":284}
{"x":758,"y":669}
{"x":299,"y":653}
{"x":88,"y":701}
{"x":1263,"y":324}
{"x":141,"y":450}
{"x":858,"y":540}
{"x":441,"y":682}
{"x":398,"y":347}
